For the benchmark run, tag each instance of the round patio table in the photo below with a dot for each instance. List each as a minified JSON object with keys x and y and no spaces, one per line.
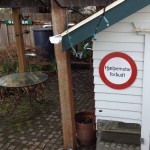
{"x":13,"y":85}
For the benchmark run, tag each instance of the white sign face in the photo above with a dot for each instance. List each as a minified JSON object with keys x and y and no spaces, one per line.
{"x":117,"y":70}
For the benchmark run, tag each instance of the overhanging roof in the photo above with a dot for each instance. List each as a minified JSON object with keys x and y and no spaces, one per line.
{"x":24,"y":3}
{"x":86,"y":28}
{"x":46,"y":3}
{"x":82,"y":3}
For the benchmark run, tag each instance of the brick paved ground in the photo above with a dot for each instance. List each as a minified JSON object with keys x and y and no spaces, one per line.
{"x":103,"y":145}
{"x":41,"y":129}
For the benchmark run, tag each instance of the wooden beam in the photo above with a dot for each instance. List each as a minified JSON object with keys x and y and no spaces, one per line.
{"x":65,"y":79}
{"x":19,"y":39}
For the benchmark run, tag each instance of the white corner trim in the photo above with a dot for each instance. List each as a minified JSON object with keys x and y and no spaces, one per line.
{"x":92,"y":17}
{"x":145,"y":126}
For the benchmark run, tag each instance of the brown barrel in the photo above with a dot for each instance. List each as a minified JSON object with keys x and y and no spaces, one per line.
{"x":85,"y":128}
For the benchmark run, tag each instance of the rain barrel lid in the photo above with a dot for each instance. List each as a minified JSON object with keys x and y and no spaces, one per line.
{"x":42,"y":29}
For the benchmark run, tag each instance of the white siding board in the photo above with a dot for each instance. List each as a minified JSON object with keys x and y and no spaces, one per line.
{"x":135,"y":56}
{"x":118,"y":106}
{"x":118,"y":98}
{"x":113,"y":46}
{"x":119,"y":114}
{"x":96,"y":64}
{"x":118,"y":119}
{"x":136,"y":83}
{"x":120,"y":37}
{"x":138,"y":17}
{"x":145,"y":9}
{"x":139,"y":73}
{"x":128,"y":91}
{"x":121,"y":27}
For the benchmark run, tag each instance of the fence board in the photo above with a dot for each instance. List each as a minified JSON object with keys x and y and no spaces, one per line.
{"x":39,"y":19}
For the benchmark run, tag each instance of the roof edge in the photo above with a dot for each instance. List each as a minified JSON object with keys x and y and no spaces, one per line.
{"x":97,"y":14}
{"x":113,"y":15}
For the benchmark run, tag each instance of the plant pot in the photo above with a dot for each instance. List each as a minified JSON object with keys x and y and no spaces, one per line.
{"x":85,"y":128}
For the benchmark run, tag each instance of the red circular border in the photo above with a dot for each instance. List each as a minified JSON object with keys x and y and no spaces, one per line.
{"x":127,"y":58}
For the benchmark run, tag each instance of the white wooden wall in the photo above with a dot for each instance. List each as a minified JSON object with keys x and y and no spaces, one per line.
{"x":121,"y":105}
{"x":131,"y":105}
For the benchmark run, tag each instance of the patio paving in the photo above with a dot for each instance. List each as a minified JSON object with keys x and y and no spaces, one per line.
{"x":41,"y":129}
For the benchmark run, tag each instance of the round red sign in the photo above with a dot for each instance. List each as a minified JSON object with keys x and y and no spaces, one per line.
{"x":118,"y":70}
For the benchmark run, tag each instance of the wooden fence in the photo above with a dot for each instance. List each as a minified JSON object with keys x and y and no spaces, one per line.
{"x":7,"y":35}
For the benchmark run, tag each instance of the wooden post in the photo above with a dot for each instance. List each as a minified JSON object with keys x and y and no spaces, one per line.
{"x":65,"y":79}
{"x":19,"y":39}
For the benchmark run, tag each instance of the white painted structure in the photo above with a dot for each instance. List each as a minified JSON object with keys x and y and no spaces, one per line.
{"x":131,"y":105}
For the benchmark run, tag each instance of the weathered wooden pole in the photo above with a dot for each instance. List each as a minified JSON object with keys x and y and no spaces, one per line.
{"x":65,"y":79}
{"x":19,"y":38}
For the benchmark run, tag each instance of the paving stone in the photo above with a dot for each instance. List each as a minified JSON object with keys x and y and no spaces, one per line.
{"x":45,"y":130}
{"x":22,"y":132}
{"x":11,"y":136}
{"x":48,"y":119}
{"x":24,"y":142}
{"x":33,"y":133}
{"x":53,"y":140}
{"x":34,"y":140}
{"x":22,"y":138}
{"x":51,"y":127}
{"x":38,"y":122}
{"x":50,"y":136}
{"x":113,"y":145}
{"x":1,"y":139}
{"x":36,"y":143}
{"x":6,"y":145}
{"x":39,"y":134}
{"x":12,"y":147}
{"x":12,"y":140}
{"x":30,"y":143}
{"x":49,"y":145}
{"x":30,"y":129}
{"x":46,"y":140}
{"x":42,"y":145}
{"x":42,"y":131}
{"x":25,"y":149}
{"x":119,"y":146}
{"x":107,"y":144}
{"x":1,"y":145}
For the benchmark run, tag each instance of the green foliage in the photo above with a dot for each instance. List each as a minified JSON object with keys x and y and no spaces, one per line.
{"x":86,"y":55}
{"x":34,"y":67}
{"x":5,"y":10}
{"x":9,"y":67}
{"x":53,"y":66}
